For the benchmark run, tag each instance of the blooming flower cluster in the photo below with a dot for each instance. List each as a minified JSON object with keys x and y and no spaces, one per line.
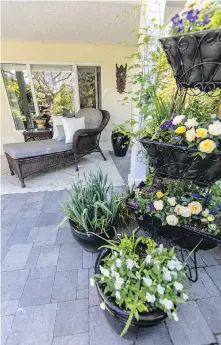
{"x":206,"y":137}
{"x":148,"y":278}
{"x":198,"y":15}
{"x":177,"y":203}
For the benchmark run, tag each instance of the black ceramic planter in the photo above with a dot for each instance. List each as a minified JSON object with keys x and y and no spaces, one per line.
{"x":195,"y":59}
{"x":91,"y":242}
{"x":116,"y":316}
{"x":120,"y":144}
{"x":174,"y":161}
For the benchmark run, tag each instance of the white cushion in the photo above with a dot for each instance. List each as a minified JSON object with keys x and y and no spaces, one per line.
{"x":71,"y":125}
{"x":61,"y":134}
{"x":56,"y":122}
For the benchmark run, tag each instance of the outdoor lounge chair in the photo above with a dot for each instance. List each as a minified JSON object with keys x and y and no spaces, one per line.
{"x":27,"y":158}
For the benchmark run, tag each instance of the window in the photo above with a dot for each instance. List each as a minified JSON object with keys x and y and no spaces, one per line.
{"x":43,"y":90}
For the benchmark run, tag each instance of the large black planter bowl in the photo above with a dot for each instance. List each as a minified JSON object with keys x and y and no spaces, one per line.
{"x":120,"y":144}
{"x":116,"y":316}
{"x":178,"y":162}
{"x":195,"y":59}
{"x":91,"y":242}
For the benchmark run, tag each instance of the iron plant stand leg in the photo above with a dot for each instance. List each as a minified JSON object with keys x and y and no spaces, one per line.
{"x":192,"y":277}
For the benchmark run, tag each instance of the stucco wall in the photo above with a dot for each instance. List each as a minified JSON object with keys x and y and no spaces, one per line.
{"x":34,"y":52}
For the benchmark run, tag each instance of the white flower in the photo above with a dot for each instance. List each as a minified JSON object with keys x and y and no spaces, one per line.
{"x":130,"y":264}
{"x":167,"y":275}
{"x":167,"y":303}
{"x":174,"y":316}
{"x":191,"y":122}
{"x":185,"y":297}
{"x":104,"y":271}
{"x":178,"y":286}
{"x":179,"y":266}
{"x":102,"y":305}
{"x":190,"y":135}
{"x":119,"y":282}
{"x":172,"y":201}
{"x":115,"y":274}
{"x":121,"y":252}
{"x":138,"y":275}
{"x":185,"y":212}
{"x":117,"y":295}
{"x":178,"y":119}
{"x":92,"y":281}
{"x":171,"y":264}
{"x":172,"y":220}
{"x":174,"y":274}
{"x":147,"y":281}
{"x":118,"y":263}
{"x":178,"y":209}
{"x":160,"y":289}
{"x":215,"y":128}
{"x":160,"y":248}
{"x":158,"y":205}
{"x":205,"y":213}
{"x":148,"y":258}
{"x":150,"y":298}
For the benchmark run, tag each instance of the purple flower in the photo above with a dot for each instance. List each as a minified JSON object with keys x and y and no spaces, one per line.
{"x":176,"y":139}
{"x":206,"y":20}
{"x":213,"y":211}
{"x":159,"y":185}
{"x":196,"y":195}
{"x":180,"y":25}
{"x":208,"y":199}
{"x":150,"y":189}
{"x":134,"y":205}
{"x":151,"y":206}
{"x":166,"y":124}
{"x":192,"y":15}
{"x":174,"y":114}
{"x":218,"y":205}
{"x":175,"y":19}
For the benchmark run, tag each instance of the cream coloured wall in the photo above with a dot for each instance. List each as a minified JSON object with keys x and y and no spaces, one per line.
{"x":105,"y":55}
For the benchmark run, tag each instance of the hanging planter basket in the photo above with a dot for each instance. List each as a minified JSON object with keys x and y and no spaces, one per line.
{"x":178,"y":162}
{"x":195,"y":59}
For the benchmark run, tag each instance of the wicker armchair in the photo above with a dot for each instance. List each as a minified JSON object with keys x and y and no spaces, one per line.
{"x":85,"y":141}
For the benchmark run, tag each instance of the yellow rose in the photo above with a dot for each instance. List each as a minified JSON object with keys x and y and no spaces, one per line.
{"x":159,"y":195}
{"x":180,"y":130}
{"x":195,"y":207}
{"x":201,"y":133}
{"x":207,"y":146}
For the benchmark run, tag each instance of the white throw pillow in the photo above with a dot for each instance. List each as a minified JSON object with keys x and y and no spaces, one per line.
{"x":71,"y":125}
{"x":56,"y":122}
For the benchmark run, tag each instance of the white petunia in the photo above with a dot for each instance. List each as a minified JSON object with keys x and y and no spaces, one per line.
{"x":121,"y":252}
{"x":131,"y":263}
{"x":185,"y":296}
{"x":117,"y":295}
{"x":174,"y":316}
{"x":172,"y":220}
{"x":178,"y":119}
{"x":118,"y":283}
{"x":92,"y":281}
{"x":118,"y":263}
{"x":102,"y":305}
{"x":147,"y":281}
{"x":160,"y":289}
{"x":115,"y":274}
{"x":178,"y":286}
{"x":168,"y":304}
{"x":160,"y":248}
{"x":148,"y":259}
{"x":179,"y":265}
{"x":150,"y":298}
{"x":174,"y":274}
{"x":171,"y":264}
{"x":215,"y":128}
{"x":158,"y":205}
{"x":191,"y":122}
{"x":167,"y":275}
{"x":104,"y":271}
{"x":172,"y":201}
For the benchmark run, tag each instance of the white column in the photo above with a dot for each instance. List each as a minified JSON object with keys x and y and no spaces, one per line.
{"x":151,"y":9}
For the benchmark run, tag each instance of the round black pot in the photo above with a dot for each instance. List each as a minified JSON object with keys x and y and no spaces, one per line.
{"x":120,"y":144}
{"x":91,"y":242}
{"x":174,"y":161}
{"x":116,"y":316}
{"x":195,"y":59}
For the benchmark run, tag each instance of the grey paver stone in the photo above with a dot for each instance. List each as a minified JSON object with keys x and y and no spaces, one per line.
{"x":192,"y":328}
{"x":82,"y":293}
{"x":20,"y":197}
{"x":51,"y":207}
{"x":218,"y":338}
{"x":13,"y":284}
{"x":13,"y":207}
{"x":87,"y":259}
{"x":83,"y":278}
{"x":19,"y":236}
{"x":216,"y":252}
{"x":47,"y":219}
{"x":64,"y":236}
{"x":93,"y":295}
{"x":33,"y":325}
{"x":27,"y":221}
{"x":39,"y":196}
{"x":49,"y":256}
{"x":6,"y":232}
{"x":16,"y":257}
{"x":65,"y":285}
{"x":215,"y":274}
{"x":211,"y":309}
{"x":70,"y":257}
{"x":37,"y":291}
{"x":208,"y":283}
{"x":77,"y":339}
{"x":207,"y":257}
{"x":42,"y":272}
{"x":94,"y":258}
{"x":33,"y":256}
{"x":155,"y":335}
{"x":43,"y":235}
{"x":10,"y":221}
{"x":72,"y":318}
{"x":9,"y":307}
{"x":197,"y":290}
{"x":6,"y":322}
{"x":4,"y":251}
{"x":53,"y":196}
{"x":32,"y":208}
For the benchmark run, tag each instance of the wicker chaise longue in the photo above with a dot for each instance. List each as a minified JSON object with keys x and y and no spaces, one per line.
{"x":27,"y":158}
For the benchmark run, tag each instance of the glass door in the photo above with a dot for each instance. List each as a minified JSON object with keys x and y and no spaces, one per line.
{"x":89,"y":83}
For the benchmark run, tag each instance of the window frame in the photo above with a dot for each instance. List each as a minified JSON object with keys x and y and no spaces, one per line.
{"x":29,"y":65}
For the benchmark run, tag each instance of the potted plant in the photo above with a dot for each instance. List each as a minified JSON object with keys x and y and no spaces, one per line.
{"x":194,"y":50}
{"x":139,"y":282}
{"x":179,"y":210}
{"x":92,"y":211}
{"x":121,"y":136}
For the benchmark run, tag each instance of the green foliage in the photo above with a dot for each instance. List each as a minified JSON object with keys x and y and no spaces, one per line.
{"x":63,"y":100}
{"x":93,"y":206}
{"x":126,"y":128}
{"x":139,"y":277}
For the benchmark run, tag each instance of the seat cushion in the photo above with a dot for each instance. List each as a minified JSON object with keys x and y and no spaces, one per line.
{"x":93,"y":117}
{"x":35,"y":148}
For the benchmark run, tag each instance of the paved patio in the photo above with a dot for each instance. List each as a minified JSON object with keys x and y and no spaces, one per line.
{"x":46,"y":297}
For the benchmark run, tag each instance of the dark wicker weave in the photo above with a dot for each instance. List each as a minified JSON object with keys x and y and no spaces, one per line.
{"x":85,"y":141}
